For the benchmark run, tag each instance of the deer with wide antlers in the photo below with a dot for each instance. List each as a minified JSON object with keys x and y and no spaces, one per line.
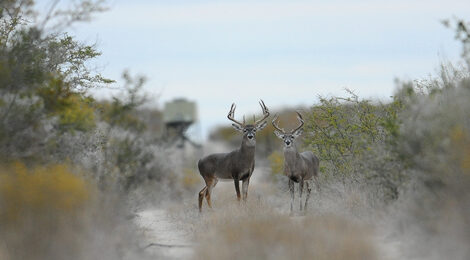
{"x":298,"y":167}
{"x":237,"y":165}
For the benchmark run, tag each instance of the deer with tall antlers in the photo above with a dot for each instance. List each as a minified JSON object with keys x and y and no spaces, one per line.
{"x":237,"y":165}
{"x":298,"y":167}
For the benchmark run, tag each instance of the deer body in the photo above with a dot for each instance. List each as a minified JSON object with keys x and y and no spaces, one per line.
{"x":298,"y":167}
{"x":237,"y":165}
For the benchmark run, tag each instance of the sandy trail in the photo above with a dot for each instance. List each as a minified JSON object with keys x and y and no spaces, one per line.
{"x":161,"y":235}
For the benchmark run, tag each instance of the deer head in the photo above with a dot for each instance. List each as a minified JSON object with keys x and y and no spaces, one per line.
{"x":288,"y":138}
{"x":249,"y":130}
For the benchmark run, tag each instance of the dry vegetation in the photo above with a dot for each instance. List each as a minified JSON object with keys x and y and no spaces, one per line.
{"x":272,"y":236}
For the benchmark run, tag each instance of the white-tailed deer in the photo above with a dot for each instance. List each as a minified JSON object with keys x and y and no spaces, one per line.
{"x":238,"y":164}
{"x":298,"y":167}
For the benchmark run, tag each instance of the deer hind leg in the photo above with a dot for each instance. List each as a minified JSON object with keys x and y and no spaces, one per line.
{"x":210,"y":186}
{"x":309,"y":190}
{"x":201,"y":197}
{"x":301,"y":189}
{"x":317,"y":183}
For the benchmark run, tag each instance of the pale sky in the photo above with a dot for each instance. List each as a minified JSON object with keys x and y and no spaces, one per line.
{"x":285,"y":52}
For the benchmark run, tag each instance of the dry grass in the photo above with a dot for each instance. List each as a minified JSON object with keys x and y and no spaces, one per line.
{"x":256,"y":230}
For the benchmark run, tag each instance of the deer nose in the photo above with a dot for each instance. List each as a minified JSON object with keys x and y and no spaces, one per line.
{"x":288,"y":142}
{"x":250,"y":136}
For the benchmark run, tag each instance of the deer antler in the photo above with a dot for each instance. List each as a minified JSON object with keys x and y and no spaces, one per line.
{"x":231,"y":113}
{"x":265,"y":113}
{"x":275,"y":125}
{"x":299,"y":116}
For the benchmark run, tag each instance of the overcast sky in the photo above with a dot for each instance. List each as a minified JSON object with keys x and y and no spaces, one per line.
{"x":285,"y":52}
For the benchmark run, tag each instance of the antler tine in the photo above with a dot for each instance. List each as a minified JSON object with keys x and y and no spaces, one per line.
{"x":231,"y":113}
{"x":265,"y":112}
{"x":263,"y":106}
{"x":299,"y":116}
{"x":276,"y":126}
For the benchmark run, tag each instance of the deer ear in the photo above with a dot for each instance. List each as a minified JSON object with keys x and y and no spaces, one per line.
{"x":298,"y":133}
{"x":278,"y":134}
{"x":261,"y":126}
{"x":237,"y":127}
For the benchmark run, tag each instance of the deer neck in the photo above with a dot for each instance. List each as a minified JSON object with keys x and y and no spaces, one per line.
{"x":291,"y":155}
{"x":247,"y":151}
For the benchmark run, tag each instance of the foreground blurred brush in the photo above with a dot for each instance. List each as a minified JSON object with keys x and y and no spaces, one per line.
{"x":40,"y":207}
{"x":40,"y":191}
{"x":51,"y":212}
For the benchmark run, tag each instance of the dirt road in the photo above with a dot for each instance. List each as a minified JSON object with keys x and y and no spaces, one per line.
{"x":162,"y":237}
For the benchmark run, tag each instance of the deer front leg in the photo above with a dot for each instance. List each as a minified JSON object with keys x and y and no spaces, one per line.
{"x":237,"y":187}
{"x":301,"y":188}
{"x":291,"y":189}
{"x":308,"y":195}
{"x":245,"y":184}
